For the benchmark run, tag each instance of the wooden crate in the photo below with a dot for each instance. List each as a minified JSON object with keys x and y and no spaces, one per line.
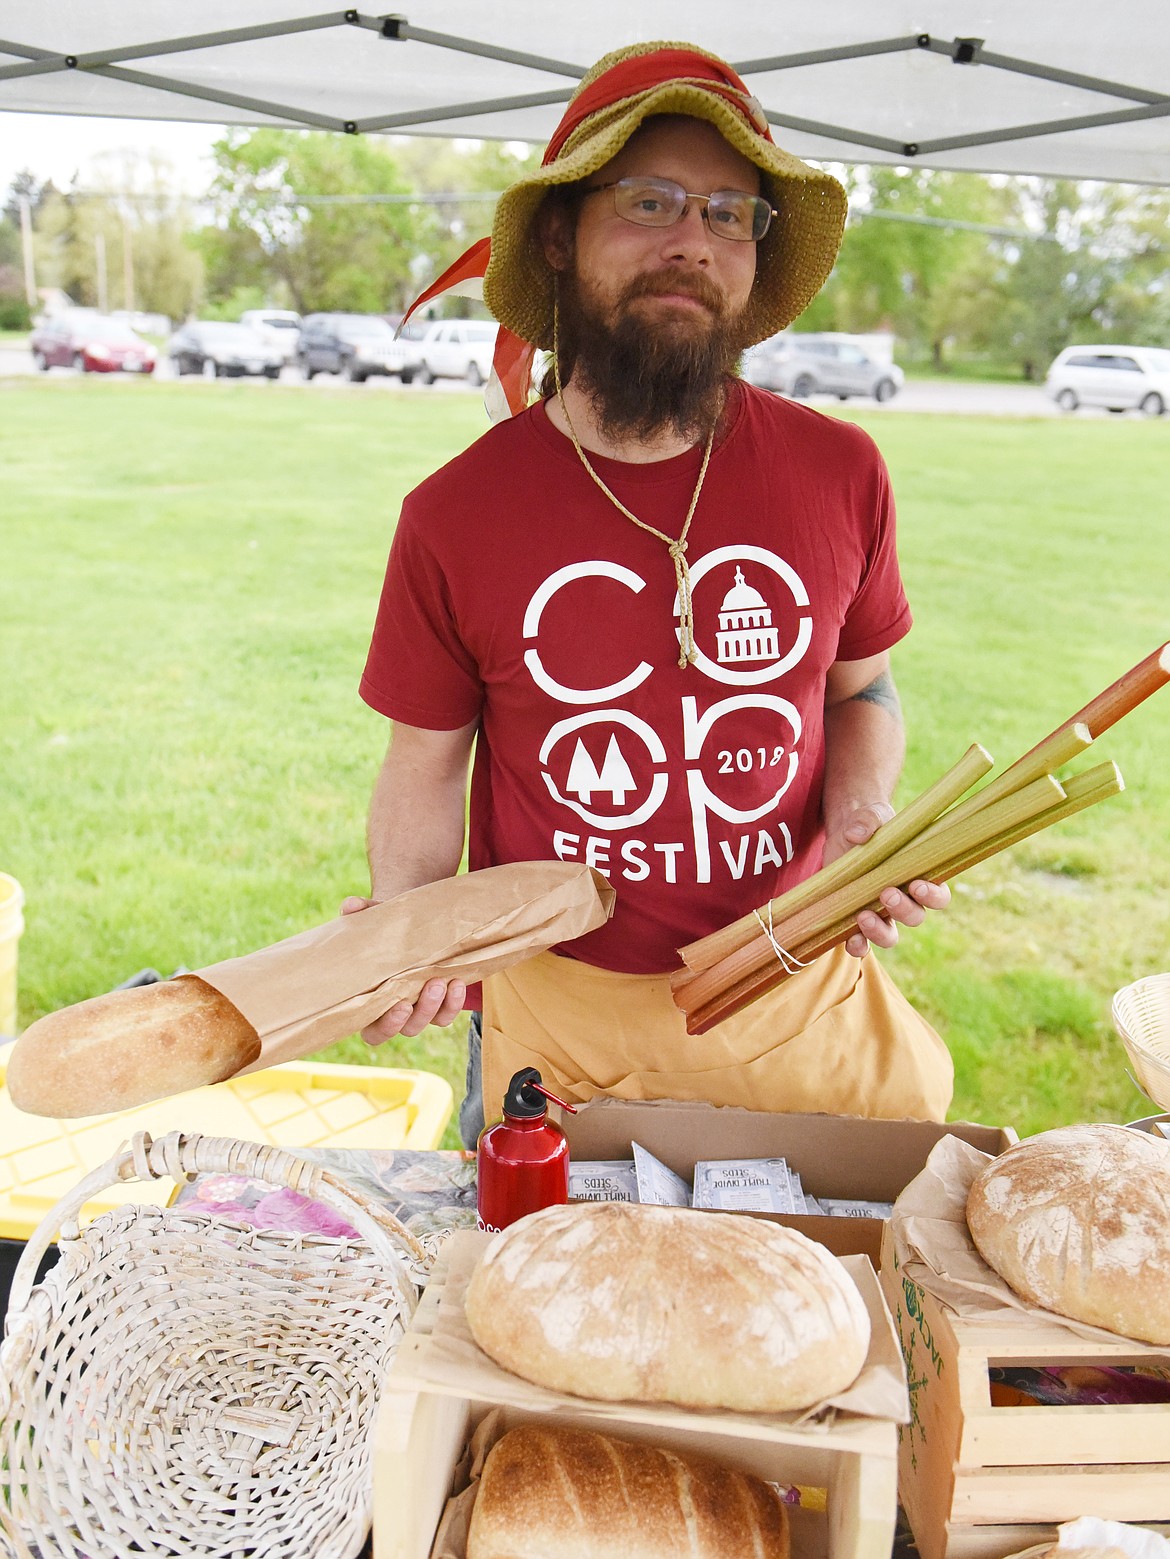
{"x":982,"y":1482}
{"x":424,"y":1426}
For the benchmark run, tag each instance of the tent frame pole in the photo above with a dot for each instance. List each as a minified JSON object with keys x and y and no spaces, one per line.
{"x":395,"y":28}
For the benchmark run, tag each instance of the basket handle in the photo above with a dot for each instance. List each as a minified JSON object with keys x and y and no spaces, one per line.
{"x":182,"y":1156}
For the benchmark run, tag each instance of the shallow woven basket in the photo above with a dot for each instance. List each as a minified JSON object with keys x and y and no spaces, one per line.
{"x":180,"y":1385}
{"x":1141,"y":1015}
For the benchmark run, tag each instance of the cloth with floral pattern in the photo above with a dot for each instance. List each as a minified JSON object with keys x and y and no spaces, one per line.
{"x":429,"y":1191}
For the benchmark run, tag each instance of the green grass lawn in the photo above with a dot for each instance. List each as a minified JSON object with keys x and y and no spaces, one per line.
{"x":189,"y":578}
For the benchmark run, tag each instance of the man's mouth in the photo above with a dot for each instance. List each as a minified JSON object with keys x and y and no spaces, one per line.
{"x":683,"y":300}
{"x":691,"y":296}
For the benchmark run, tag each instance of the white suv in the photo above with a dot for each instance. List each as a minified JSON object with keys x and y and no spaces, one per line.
{"x":456,"y":349}
{"x":279,"y":327}
{"x":1117,"y":377}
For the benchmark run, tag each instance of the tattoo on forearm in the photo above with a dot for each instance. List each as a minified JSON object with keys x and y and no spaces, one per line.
{"x":881,"y":691}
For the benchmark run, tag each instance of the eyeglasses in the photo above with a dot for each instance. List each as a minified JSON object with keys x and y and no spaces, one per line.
{"x":661,"y":203}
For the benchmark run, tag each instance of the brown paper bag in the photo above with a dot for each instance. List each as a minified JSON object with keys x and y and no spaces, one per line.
{"x":323,"y":984}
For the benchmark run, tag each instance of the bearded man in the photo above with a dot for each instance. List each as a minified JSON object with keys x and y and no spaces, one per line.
{"x":660,"y":605}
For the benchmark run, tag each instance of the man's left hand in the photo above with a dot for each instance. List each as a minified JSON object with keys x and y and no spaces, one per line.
{"x":901,"y":906}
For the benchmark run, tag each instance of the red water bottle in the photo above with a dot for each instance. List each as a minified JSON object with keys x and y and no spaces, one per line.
{"x":523,"y":1160}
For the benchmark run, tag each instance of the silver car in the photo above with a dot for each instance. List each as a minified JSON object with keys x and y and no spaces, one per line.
{"x":220,"y":350}
{"x":804,"y":364}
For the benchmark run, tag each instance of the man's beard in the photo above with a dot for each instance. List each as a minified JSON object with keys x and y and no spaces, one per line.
{"x":644,"y":373}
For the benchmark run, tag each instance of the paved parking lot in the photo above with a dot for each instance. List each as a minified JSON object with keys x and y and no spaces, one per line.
{"x":920,"y":395}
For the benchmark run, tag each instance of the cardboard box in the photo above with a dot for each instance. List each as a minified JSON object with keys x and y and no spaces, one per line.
{"x":982,"y":1482}
{"x":441,"y":1387}
{"x":836,"y":1155}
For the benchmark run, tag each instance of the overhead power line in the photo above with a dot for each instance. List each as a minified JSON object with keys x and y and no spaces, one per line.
{"x":990,"y":228}
{"x":280,"y":198}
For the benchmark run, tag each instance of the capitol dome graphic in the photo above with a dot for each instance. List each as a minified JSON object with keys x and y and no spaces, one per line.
{"x":745,"y":626}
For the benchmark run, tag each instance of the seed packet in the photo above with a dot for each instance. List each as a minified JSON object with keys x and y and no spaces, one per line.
{"x":757,"y":1185}
{"x":802,"y":1201}
{"x":605,"y":1180}
{"x":658,"y":1185}
{"x":847,"y":1207}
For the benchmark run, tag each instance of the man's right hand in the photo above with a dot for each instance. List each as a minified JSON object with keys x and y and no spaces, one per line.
{"x":438,"y":1002}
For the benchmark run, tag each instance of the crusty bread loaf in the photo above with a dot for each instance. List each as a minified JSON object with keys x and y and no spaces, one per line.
{"x":128,"y":1047}
{"x":1058,"y":1551}
{"x":1078,"y":1220}
{"x":661,"y":1304}
{"x":551,"y":1493}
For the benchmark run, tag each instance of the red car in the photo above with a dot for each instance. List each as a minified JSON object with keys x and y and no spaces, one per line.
{"x":91,"y":342}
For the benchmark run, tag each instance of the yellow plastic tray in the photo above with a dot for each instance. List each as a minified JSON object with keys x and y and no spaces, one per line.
{"x":301,"y":1104}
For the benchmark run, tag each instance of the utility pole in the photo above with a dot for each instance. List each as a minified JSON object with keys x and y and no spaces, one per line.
{"x":99,"y":245}
{"x":127,"y":264}
{"x":26,"y":243}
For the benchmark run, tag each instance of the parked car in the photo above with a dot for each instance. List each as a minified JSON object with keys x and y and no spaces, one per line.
{"x":803,"y":364}
{"x":217,"y":349}
{"x":1117,"y":377}
{"x":279,"y":327}
{"x":456,"y":349}
{"x":92,"y":342}
{"x":356,"y":345}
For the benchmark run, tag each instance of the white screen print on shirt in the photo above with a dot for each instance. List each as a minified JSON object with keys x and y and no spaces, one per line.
{"x":608,"y":798}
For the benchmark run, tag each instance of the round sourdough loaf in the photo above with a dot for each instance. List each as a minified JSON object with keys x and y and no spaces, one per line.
{"x":129,"y":1047}
{"x":1059,"y":1551}
{"x":554,"y":1493}
{"x":661,"y":1304}
{"x":1078,"y":1220}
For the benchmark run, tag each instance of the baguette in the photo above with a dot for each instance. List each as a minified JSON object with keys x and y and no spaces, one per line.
{"x":128,"y":1047}
{"x":571,"y":1494}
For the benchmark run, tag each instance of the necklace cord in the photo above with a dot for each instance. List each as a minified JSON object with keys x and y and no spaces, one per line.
{"x":676,"y":548}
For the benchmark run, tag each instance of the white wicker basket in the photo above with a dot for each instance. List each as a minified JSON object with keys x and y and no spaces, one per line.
{"x":180,"y":1385}
{"x":1141,"y":1015}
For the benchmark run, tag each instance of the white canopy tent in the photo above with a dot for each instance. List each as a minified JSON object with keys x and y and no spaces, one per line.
{"x":1059,"y":87}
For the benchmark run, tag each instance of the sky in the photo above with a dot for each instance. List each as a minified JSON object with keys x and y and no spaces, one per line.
{"x":57,"y":146}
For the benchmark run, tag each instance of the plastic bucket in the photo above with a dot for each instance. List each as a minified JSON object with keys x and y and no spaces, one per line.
{"x":11,"y":925}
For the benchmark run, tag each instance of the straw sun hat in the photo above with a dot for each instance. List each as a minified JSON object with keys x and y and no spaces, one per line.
{"x":622,"y":90}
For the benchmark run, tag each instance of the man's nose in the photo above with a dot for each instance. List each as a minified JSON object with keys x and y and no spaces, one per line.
{"x":690,"y":236}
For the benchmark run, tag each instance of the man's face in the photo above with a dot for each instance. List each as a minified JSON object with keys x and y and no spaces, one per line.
{"x":649,"y":316}
{"x":680,"y":278}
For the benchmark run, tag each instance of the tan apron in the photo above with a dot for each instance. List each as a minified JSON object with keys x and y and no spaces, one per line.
{"x":838,"y":1038}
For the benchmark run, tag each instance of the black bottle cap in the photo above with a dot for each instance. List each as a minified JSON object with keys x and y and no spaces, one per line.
{"x":522,"y":1102}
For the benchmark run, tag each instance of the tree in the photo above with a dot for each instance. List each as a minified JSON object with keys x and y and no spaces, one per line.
{"x":13,"y":303}
{"x":1136,"y":223}
{"x":317,"y":221}
{"x":28,"y":187}
{"x":64,"y":246}
{"x":470,"y":174}
{"x":1056,"y":289}
{"x":121,"y":240}
{"x":294,"y":206}
{"x":907,"y":262}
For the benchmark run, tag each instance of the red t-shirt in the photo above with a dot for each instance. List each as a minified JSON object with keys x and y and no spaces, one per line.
{"x":518,"y":595}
